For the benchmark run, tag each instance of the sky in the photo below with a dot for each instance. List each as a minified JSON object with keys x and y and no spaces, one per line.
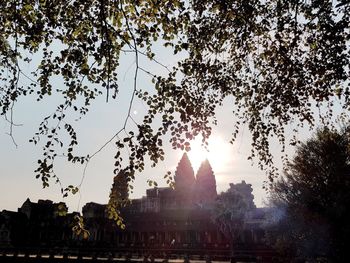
{"x":229,"y":162}
{"x":17,"y":177}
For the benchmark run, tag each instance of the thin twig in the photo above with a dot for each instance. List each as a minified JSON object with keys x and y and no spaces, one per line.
{"x":16,"y":71}
{"x":29,"y":78}
{"x":147,"y":72}
{"x":11,"y":125}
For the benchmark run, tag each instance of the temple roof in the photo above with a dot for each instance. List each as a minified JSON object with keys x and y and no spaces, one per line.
{"x":184,"y":174}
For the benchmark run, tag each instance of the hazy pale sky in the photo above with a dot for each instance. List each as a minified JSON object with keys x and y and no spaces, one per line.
{"x":17,"y":167}
{"x":18,"y":164}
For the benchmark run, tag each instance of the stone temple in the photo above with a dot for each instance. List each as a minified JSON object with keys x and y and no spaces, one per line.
{"x":167,"y":220}
{"x":179,"y":218}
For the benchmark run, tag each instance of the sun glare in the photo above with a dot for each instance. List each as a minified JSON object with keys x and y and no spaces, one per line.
{"x":218,"y":153}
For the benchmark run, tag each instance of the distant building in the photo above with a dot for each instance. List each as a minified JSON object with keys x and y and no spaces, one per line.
{"x":166,"y":219}
{"x":246,"y":191}
{"x":12,"y":227}
{"x":175,"y":218}
{"x":36,"y":224}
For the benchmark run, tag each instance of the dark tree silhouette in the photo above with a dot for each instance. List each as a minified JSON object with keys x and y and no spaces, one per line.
{"x":314,"y":197}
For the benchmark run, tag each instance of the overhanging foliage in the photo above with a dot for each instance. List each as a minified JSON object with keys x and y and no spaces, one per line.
{"x":278,"y":60}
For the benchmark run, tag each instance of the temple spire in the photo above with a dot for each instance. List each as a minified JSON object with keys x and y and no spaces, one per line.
{"x":205,"y":183}
{"x":184,"y":175}
{"x":120,"y":189}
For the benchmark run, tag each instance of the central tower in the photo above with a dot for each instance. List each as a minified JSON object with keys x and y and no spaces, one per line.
{"x":184,"y":181}
{"x":192,"y":190}
{"x":205,"y":184}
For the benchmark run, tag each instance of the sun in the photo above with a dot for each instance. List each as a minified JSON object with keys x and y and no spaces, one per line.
{"x":218,"y":152}
{"x":197,"y":154}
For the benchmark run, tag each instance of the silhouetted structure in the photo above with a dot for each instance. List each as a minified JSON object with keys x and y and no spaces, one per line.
{"x":205,"y":184}
{"x":176,"y":220}
{"x":36,"y":224}
{"x":246,"y":192}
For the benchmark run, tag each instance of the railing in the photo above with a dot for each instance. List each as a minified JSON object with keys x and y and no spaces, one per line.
{"x":82,"y":256}
{"x":38,"y":258}
{"x":118,"y":252}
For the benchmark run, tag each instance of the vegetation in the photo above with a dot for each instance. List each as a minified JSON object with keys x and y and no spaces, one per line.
{"x":312,"y":200}
{"x":277,"y":61}
{"x":118,"y":198}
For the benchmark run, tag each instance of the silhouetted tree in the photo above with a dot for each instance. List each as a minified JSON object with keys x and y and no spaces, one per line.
{"x":313,"y":199}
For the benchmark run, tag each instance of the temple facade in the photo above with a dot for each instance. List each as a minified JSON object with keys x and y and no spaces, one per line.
{"x":43,"y":223}
{"x":179,"y":219}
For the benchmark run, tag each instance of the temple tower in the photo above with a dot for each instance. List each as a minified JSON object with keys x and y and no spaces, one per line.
{"x":120,"y":188}
{"x":246,"y":191}
{"x":205,"y":184}
{"x":184,"y":181}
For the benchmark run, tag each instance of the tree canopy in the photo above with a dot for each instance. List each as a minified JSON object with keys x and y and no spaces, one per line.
{"x":313,"y":199}
{"x":276,"y":60}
